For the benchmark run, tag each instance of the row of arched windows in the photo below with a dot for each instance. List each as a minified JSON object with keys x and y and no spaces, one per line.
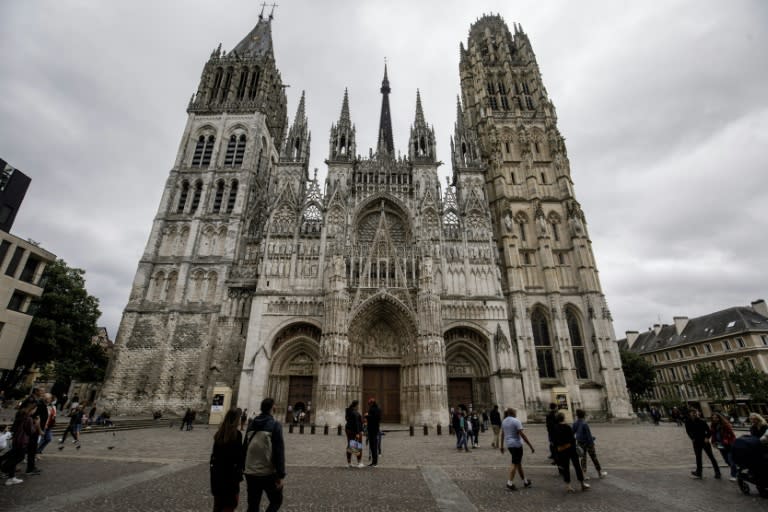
{"x":202,"y":286}
{"x":218,"y":200}
{"x":544,"y":348}
{"x":233,"y":157}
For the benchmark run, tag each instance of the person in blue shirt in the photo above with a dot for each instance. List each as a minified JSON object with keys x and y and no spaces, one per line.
{"x":586,"y":442}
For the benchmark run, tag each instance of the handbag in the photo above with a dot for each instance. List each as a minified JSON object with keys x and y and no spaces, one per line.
{"x":579,"y":450}
{"x":355,"y":447}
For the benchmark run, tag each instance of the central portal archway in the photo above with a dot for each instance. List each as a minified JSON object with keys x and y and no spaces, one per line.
{"x":381,"y":337}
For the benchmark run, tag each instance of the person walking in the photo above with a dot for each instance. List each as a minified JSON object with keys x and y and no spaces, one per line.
{"x":374,"y":431}
{"x":586,"y":442}
{"x":723,"y":438}
{"x":23,"y":426}
{"x":226,"y":464}
{"x":40,"y":419}
{"x":474,"y":421}
{"x":512,"y":435}
{"x":186,"y":419}
{"x":354,"y":430}
{"x":460,"y":427}
{"x":551,"y":422}
{"x":495,"y":425}
{"x":265,"y":459}
{"x":74,"y":427}
{"x":565,"y":446}
{"x":50,"y":422}
{"x":698,"y":431}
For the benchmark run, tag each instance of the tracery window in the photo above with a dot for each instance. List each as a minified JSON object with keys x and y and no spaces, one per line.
{"x":219,"y":197}
{"x":577,"y":344}
{"x":232,"y":196}
{"x":183,"y":197}
{"x":196,"y":197}
{"x":235,"y":150}
{"x":543,"y":344}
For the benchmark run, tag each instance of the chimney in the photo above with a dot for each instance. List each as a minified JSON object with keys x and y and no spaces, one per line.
{"x":656,"y":329}
{"x":631,"y":337}
{"x":680,"y":323}
{"x":760,"y":307}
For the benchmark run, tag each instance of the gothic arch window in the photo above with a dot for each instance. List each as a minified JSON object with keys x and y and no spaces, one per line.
{"x":521,"y":220}
{"x":218,"y":197}
{"x":253,"y":87}
{"x":554,"y":221}
{"x":203,"y":151}
{"x":157,"y":286}
{"x":543,"y":344}
{"x":183,"y":197}
{"x":170,"y":287}
{"x":232,"y":196}
{"x":197,"y":194}
{"x":216,"y":83}
{"x":227,"y":83}
{"x":212,"y":281}
{"x":242,"y":85}
{"x":235,"y":150}
{"x":577,"y":344}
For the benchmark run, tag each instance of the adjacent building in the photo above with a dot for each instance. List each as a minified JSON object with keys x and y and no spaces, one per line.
{"x":260,"y":280}
{"x":723,"y":339}
{"x":22,"y":263}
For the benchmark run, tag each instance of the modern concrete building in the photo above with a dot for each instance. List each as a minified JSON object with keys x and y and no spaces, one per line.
{"x":21,"y":269}
{"x":259,"y":280}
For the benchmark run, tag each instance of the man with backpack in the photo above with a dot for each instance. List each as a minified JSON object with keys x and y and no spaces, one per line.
{"x":265,"y":458}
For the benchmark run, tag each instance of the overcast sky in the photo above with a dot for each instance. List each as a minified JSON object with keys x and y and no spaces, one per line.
{"x":664,"y":107}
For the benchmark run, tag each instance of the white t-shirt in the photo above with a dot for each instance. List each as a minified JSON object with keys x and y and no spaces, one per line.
{"x":4,"y":437}
{"x":512,"y":427}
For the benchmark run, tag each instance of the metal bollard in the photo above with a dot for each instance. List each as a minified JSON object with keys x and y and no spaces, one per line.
{"x":301,"y":428}
{"x":439,"y":429}
{"x":290,"y":428}
{"x":325,"y":429}
{"x":338,"y":430}
{"x":426,"y":429}
{"x":312,"y":429}
{"x":410,"y":430}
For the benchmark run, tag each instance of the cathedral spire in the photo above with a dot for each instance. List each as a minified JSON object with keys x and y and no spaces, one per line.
{"x":258,"y":42}
{"x":386,"y":144}
{"x":419,"y":111}
{"x":344,"y":118}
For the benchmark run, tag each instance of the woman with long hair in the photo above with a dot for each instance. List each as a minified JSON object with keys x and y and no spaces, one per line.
{"x":227,"y":463}
{"x":23,"y":427}
{"x":723,"y":438}
{"x":758,"y":425}
{"x":354,"y":431}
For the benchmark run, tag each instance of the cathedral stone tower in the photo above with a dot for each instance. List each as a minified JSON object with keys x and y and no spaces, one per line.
{"x":375,"y":283}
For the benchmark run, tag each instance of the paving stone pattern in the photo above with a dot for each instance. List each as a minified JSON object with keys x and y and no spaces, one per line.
{"x":165,"y":469}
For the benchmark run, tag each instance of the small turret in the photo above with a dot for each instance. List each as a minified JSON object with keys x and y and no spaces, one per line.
{"x":296,"y":148}
{"x":342,"y":142}
{"x":421,"y":145}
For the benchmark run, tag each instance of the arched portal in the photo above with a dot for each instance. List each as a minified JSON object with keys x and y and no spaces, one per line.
{"x":382,"y":335}
{"x":468,"y":368}
{"x":293,"y":373}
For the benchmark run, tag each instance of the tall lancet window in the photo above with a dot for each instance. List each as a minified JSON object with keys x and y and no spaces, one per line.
{"x":235,"y":151}
{"x":183,"y":197}
{"x":218,"y":197}
{"x":543,"y":344}
{"x":232,"y":196}
{"x":196,"y":196}
{"x":208,"y":150}
{"x":577,"y":344}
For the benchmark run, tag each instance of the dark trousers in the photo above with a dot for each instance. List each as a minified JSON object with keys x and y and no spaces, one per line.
{"x":32,"y":453}
{"x":373,"y":446}
{"x":267,"y":484}
{"x":698,"y":446}
{"x":565,"y":459}
{"x":725,"y":451}
{"x":12,"y":458}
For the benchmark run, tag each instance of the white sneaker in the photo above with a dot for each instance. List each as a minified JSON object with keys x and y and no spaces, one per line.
{"x":733,"y":479}
{"x":13,"y":481}
{"x":360,"y":465}
{"x":603,"y":474}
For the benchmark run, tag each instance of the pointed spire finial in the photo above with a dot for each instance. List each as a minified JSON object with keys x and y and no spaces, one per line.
{"x":272,"y":12}
{"x":419,"y":111}
{"x":301,"y":111}
{"x":386,"y":143}
{"x":345,"y":108}
{"x":261,"y":14}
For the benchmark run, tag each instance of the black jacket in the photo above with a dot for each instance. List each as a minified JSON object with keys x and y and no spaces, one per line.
{"x":227,"y":467}
{"x":697,"y":429}
{"x":374,"y":418}
{"x":495,"y":418}
{"x":354,"y":421}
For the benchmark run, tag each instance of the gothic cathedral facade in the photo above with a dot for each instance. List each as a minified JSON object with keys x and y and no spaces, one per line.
{"x":377,"y":282}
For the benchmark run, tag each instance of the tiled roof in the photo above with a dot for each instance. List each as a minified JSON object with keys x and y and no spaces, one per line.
{"x":714,"y":325}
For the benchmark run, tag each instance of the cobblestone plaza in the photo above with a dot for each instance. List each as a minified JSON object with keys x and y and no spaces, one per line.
{"x":165,"y":469}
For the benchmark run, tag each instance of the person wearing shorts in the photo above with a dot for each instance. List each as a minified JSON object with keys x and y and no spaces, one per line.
{"x":512,"y":436}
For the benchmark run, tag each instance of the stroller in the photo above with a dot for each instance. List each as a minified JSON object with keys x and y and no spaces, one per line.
{"x":751,"y":457}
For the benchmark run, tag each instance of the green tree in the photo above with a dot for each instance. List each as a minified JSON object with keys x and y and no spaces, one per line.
{"x":750,"y":381}
{"x":712,"y":380}
{"x":639,"y":375}
{"x":61,"y":331}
